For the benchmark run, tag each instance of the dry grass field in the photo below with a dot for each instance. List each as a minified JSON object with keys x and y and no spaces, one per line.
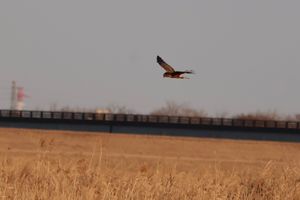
{"x":36,"y":164}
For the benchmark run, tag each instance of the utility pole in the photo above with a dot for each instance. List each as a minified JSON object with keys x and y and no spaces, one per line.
{"x":13,"y":99}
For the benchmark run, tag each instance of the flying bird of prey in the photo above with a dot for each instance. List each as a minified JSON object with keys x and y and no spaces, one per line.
{"x":170,"y":71}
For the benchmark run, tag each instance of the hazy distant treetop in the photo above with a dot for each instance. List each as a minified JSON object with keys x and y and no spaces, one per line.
{"x":119,"y":109}
{"x":173,"y":109}
{"x":259,"y":116}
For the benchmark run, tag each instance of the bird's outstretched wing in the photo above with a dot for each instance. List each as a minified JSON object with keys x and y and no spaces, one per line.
{"x":164,"y":65}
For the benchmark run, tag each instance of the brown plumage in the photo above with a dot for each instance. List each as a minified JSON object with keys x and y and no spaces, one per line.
{"x":170,"y":71}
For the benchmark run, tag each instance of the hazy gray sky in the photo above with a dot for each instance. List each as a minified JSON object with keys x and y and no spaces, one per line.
{"x":95,"y":52}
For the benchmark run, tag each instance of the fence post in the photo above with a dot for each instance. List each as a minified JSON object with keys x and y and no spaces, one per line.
{"x":110,"y":127}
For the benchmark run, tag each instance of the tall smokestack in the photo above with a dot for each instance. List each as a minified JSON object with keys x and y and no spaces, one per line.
{"x":20,"y":98}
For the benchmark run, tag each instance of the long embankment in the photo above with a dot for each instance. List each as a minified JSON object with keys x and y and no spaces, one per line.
{"x":154,"y":125}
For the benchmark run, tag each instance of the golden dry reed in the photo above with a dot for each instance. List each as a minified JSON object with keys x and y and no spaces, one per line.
{"x":47,"y":177}
{"x":47,"y":174}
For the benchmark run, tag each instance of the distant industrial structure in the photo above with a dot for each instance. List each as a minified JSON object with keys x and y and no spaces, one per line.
{"x":17,"y":97}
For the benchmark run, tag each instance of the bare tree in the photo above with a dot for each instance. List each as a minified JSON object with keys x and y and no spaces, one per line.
{"x":222,"y":114}
{"x":173,"y":109}
{"x":271,"y":115}
{"x":53,"y":107}
{"x":119,"y":109}
{"x":72,"y":109}
{"x":297,"y":117}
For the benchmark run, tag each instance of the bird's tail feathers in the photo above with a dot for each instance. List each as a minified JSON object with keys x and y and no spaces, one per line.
{"x":189,"y":72}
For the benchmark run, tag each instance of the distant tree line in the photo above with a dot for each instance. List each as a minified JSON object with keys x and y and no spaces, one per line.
{"x":174,"y":109}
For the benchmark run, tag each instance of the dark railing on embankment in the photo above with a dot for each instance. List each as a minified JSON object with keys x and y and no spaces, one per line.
{"x":189,"y":126}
